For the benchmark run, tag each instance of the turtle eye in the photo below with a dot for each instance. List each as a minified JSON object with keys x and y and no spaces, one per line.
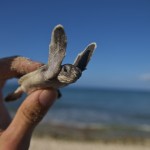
{"x":65,"y":69}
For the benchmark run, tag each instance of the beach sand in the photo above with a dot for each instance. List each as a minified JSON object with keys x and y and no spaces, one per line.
{"x":59,"y":137}
{"x":47,"y":143}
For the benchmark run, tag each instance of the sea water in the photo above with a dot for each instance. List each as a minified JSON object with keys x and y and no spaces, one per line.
{"x":95,"y":107}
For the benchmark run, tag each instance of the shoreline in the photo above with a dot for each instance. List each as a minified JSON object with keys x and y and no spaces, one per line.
{"x":101,"y":134}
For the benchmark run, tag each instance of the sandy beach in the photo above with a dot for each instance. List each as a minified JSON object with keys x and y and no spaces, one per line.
{"x":58,"y":137}
{"x":57,"y":144}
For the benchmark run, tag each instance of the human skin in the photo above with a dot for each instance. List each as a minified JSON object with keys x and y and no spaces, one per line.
{"x":16,"y":133}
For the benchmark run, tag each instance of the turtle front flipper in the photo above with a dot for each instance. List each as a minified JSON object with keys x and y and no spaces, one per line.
{"x":14,"y":95}
{"x":57,"y":52}
{"x":84,"y":57}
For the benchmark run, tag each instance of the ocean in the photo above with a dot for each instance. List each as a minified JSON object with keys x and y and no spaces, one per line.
{"x":97,"y":108}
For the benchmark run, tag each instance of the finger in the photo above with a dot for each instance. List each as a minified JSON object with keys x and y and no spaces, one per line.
{"x":16,"y":66}
{"x":30,"y":113}
{"x":5,"y":118}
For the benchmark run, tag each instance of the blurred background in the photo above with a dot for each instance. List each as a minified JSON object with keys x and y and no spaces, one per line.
{"x":112,"y":98}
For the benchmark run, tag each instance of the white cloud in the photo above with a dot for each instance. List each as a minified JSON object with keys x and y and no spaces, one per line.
{"x":145,"y":77}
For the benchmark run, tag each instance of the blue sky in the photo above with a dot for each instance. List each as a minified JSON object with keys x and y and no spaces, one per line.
{"x":121,"y":29}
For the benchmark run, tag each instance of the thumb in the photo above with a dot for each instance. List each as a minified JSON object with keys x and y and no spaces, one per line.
{"x":35,"y":107}
{"x":30,"y":113}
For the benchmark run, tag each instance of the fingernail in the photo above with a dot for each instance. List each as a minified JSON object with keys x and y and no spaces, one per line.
{"x":47,"y":98}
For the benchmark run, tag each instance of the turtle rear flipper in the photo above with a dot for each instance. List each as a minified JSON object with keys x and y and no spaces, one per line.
{"x":14,"y":95}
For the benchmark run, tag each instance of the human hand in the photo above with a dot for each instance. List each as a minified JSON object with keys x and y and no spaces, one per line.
{"x":16,"y":134}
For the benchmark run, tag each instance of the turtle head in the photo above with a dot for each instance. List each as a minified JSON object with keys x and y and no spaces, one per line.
{"x":69,"y":74}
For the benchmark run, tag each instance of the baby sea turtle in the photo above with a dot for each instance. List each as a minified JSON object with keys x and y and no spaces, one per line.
{"x":53,"y":74}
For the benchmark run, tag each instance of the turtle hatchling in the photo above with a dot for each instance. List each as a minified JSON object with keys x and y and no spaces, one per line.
{"x":54,"y":74}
